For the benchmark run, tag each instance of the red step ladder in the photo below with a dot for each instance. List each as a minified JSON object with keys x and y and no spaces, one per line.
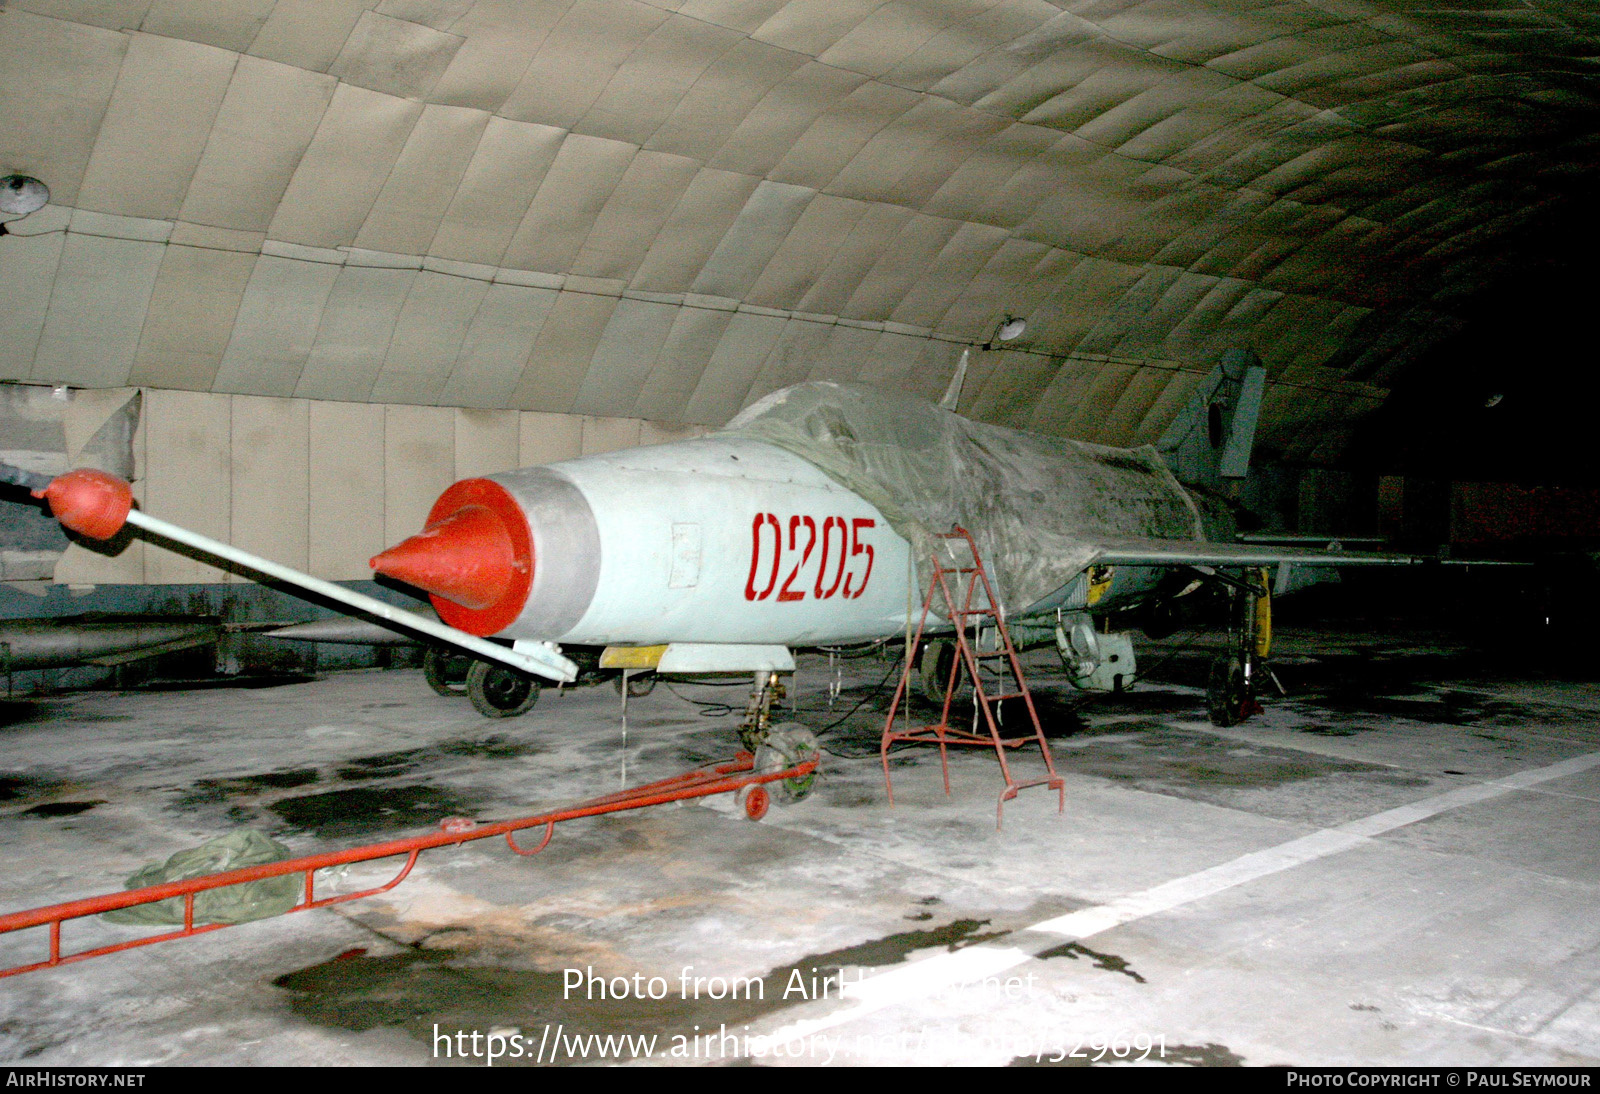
{"x":970,"y":604}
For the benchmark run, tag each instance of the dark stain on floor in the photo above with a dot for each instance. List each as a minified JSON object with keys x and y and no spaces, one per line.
{"x":386,"y":765}
{"x":62,"y":809}
{"x":360,"y":811}
{"x":259,"y":789}
{"x":420,"y":990}
{"x":1108,"y":961}
{"x":1318,"y":730}
{"x":894,"y":948}
{"x":13,"y":787}
{"x":212,"y":791}
{"x":13,"y":713}
{"x":1189,"y":764}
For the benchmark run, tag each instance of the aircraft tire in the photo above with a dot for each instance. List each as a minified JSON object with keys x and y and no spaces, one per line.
{"x":1225,"y":697}
{"x":786,"y":745}
{"x":446,"y":671}
{"x":497,"y":691}
{"x":934,"y":670}
{"x":640,"y":684}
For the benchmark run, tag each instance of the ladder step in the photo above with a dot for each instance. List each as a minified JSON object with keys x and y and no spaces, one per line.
{"x":959,"y":604}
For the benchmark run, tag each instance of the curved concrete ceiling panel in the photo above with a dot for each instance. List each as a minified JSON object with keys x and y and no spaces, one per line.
{"x":666,"y":208}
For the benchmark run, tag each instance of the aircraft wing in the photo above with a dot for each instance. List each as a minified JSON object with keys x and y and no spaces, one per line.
{"x":1182,"y":552}
{"x":1287,"y":562}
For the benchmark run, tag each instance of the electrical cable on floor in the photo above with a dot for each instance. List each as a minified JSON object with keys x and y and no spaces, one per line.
{"x":1195,"y":633}
{"x":709,"y":709}
{"x":865,"y":650}
{"x":875,"y":693}
{"x":712,"y":709}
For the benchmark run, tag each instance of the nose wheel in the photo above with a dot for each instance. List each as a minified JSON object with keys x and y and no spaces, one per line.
{"x":786,"y":746}
{"x":497,"y":691}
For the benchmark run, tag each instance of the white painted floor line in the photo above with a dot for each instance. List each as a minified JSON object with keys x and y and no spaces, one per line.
{"x":944,"y":971}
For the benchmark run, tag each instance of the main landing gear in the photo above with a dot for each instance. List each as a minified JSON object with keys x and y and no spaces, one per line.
{"x":446,"y":670}
{"x":496,"y":690}
{"x":1235,"y":675}
{"x":499,"y":691}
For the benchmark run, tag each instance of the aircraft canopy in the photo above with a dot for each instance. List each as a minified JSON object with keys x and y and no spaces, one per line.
{"x":1038,"y":507}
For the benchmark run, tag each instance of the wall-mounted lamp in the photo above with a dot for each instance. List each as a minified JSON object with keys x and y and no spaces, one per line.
{"x":19,"y":196}
{"x":1011,"y":328}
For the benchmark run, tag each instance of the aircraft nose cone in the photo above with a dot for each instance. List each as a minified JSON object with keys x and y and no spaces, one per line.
{"x":475,"y":557}
{"x":466,"y":558}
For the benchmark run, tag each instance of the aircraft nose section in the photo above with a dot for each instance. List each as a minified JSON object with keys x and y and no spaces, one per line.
{"x":475,"y":557}
{"x":465,"y":558}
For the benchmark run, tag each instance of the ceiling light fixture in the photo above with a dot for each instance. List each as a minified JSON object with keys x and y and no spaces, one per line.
{"x":1011,"y":328}
{"x":21,"y":195}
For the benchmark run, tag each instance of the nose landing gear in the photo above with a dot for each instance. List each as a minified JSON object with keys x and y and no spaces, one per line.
{"x":776,"y":747}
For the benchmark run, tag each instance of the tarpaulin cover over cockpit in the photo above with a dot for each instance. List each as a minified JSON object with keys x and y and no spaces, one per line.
{"x":1037,"y":506}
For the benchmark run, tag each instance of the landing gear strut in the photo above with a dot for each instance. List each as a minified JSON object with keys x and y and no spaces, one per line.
{"x":776,"y":747}
{"x":1231,"y":684}
{"x":753,"y":730}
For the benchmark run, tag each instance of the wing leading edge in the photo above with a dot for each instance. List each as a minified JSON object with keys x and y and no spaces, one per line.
{"x":1179,"y":552}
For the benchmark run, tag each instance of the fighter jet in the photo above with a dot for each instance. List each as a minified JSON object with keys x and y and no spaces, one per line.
{"x":811,"y":519}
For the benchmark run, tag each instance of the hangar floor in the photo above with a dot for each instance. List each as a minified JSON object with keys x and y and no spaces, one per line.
{"x":1397,"y":865}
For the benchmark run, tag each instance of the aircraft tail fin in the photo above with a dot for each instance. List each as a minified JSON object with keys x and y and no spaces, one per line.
{"x":952,"y":394}
{"x":1212,"y":436}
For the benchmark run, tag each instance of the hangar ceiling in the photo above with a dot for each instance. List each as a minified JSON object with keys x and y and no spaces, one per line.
{"x":667,"y":209}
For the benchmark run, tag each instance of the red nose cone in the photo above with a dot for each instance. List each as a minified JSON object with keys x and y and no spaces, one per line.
{"x":465,"y":558}
{"x":475,"y":556}
{"x":91,"y":503}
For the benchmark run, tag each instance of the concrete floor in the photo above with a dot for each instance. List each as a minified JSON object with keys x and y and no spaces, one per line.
{"x":1397,"y":865}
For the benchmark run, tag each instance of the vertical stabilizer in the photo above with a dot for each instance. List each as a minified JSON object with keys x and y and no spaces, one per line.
{"x":952,"y":394}
{"x":1212,"y":436}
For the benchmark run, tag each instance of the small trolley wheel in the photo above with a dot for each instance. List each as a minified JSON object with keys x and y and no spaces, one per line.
{"x":498,"y":691}
{"x":754,"y":800}
{"x":1225,"y":695}
{"x":640,"y":684}
{"x":446,"y":671}
{"x":787,"y":745}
